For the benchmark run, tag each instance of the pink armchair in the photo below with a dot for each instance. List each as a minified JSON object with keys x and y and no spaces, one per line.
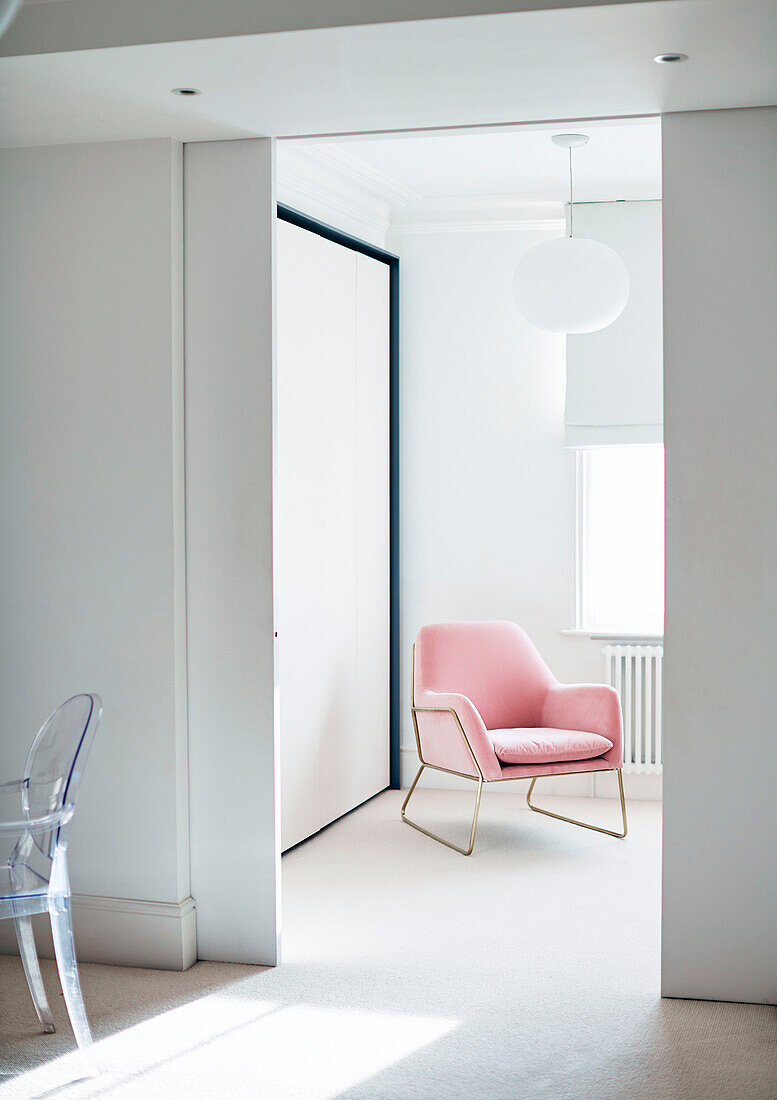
{"x":486,"y":707}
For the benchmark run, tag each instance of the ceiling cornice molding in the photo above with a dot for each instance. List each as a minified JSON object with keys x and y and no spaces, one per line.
{"x":327,"y":181}
{"x":547,"y":225}
{"x":383,"y":187}
{"x":321,"y":201}
{"x":478,"y":214}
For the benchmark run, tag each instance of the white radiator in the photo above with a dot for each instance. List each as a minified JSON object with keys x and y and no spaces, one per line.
{"x":635,"y":673}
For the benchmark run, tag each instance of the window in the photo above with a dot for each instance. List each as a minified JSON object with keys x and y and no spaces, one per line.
{"x":620,"y":540}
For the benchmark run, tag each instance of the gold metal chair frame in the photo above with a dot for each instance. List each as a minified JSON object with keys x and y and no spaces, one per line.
{"x":480,"y":779}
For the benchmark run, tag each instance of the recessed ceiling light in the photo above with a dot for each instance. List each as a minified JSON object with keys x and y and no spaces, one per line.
{"x":670,"y":58}
{"x":186,"y":91}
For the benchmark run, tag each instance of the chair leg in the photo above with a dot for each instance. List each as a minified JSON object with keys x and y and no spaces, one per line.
{"x":64,"y":949}
{"x":434,"y":836}
{"x":26,"y":940}
{"x":584,"y":824}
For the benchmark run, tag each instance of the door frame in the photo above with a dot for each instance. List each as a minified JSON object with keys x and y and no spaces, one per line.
{"x":304,"y":221}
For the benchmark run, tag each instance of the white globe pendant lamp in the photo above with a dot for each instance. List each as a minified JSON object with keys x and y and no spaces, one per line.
{"x":571,"y":284}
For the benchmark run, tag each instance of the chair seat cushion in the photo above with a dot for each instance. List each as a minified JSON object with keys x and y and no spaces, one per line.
{"x":545,"y":746}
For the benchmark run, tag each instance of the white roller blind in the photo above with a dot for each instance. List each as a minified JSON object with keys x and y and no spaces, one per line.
{"x":615,"y":376}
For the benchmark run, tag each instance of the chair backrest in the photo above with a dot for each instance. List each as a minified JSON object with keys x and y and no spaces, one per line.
{"x":495,"y":664}
{"x":55,"y":763}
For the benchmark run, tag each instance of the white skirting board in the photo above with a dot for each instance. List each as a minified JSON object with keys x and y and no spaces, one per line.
{"x":647,"y":788}
{"x":121,"y":932}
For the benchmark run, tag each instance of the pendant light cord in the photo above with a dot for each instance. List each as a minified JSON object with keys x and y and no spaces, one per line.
{"x":571,"y":206}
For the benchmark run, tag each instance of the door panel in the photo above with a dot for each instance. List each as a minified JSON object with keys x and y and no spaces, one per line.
{"x":372,"y":553}
{"x":331,"y":529}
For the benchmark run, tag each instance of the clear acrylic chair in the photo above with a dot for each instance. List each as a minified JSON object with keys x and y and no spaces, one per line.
{"x":35,"y":831}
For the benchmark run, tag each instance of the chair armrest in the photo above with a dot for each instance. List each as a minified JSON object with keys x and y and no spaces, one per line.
{"x":37,"y":826}
{"x":464,"y":718}
{"x":594,"y":708}
{"x":11,"y":801}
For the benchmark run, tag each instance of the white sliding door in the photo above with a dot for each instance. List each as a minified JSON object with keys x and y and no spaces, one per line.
{"x":331,"y":528}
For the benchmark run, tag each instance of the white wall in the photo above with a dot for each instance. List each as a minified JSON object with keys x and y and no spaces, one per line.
{"x":91,"y":483}
{"x":94,"y":553}
{"x":487,"y":485}
{"x":720,"y":690}
{"x":235,"y":837}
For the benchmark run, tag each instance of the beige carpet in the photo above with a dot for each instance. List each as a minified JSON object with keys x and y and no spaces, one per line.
{"x":529,"y":970}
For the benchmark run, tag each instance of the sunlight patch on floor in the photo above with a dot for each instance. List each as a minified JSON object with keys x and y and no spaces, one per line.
{"x":232,"y":1045}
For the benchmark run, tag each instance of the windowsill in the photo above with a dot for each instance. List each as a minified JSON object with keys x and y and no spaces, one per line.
{"x":616,"y":636}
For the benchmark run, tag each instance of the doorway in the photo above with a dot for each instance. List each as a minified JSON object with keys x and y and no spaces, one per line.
{"x":496,"y":414}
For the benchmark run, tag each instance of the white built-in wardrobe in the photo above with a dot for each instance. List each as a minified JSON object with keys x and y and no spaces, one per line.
{"x":331,"y":528}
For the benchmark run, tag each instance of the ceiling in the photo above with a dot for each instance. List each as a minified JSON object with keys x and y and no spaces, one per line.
{"x":584,"y":62}
{"x":48,"y":26}
{"x":503,"y":178}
